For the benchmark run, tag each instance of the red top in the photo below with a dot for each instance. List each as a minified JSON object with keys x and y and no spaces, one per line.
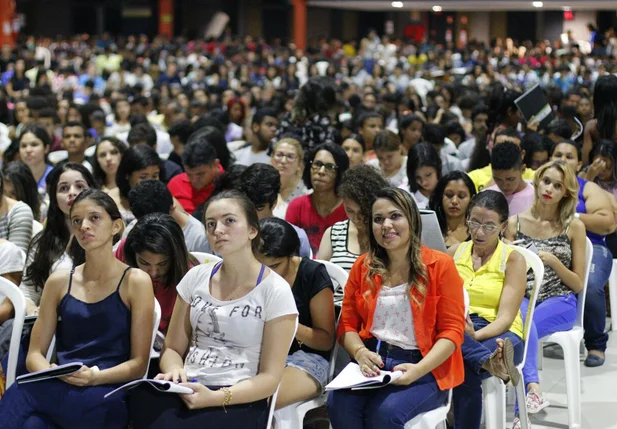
{"x":440,"y":315}
{"x":189,"y":197}
{"x":166,"y":296}
{"x":302,"y":213}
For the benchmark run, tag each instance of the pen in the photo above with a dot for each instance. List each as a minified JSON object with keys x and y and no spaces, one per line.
{"x":378,"y":346}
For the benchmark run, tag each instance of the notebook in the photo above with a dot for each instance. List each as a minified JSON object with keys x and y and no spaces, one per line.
{"x":535,"y":107}
{"x":431,"y":232}
{"x":352,"y":378}
{"x":160,"y":385}
{"x":47,"y":374}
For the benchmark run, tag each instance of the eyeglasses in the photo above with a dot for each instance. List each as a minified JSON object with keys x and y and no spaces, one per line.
{"x":279,"y":156}
{"x":474,"y":226}
{"x":330,"y":168}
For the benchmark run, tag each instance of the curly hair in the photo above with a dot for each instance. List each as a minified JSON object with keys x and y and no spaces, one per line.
{"x":377,"y":260}
{"x":360,"y":184}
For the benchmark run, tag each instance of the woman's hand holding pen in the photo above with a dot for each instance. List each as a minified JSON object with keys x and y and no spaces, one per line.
{"x":369,"y":362}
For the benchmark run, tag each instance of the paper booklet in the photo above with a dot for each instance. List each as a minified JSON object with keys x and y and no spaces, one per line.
{"x":352,"y":378}
{"x":535,"y":107}
{"x":46,"y":374}
{"x":160,"y":385}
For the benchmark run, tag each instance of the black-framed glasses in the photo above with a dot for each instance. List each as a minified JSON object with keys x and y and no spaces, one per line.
{"x":474,"y":226}
{"x":330,"y":168}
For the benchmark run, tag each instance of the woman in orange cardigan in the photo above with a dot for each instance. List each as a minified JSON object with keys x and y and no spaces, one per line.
{"x":404,"y":311}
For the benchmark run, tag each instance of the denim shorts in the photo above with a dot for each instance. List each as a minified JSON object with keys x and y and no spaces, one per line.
{"x":313,"y":364}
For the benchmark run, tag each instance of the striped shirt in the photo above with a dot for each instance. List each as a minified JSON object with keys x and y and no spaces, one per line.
{"x":16,"y":225}
{"x":339,"y":236}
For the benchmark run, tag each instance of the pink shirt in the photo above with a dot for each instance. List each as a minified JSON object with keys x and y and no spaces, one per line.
{"x":520,"y":201}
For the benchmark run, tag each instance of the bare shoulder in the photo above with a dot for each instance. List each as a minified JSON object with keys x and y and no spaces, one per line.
{"x":516,"y":258}
{"x":577,"y":228}
{"x":138,"y":278}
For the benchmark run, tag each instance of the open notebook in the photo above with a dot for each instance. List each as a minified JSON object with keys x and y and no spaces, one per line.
{"x":352,"y":378}
{"x":46,"y":374}
{"x":431,"y":232}
{"x":160,"y":385}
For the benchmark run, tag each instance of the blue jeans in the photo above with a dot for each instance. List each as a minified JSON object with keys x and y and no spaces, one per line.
{"x":56,"y":404}
{"x":468,"y":396}
{"x":595,"y":305}
{"x":389,"y":407}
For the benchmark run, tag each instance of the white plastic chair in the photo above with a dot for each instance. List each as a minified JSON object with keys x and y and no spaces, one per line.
{"x":612,"y":294}
{"x":493,"y":389}
{"x":155,"y":329}
{"x":205,"y":258}
{"x":16,"y":296}
{"x":276,"y":392}
{"x":36,"y":227}
{"x":57,"y":156}
{"x":570,"y":343}
{"x":338,"y":275}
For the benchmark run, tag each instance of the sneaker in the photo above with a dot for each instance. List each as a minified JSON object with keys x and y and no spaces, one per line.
{"x":516,"y":423}
{"x":536,"y":402}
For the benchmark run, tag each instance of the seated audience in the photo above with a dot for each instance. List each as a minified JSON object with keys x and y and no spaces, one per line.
{"x":354,"y":148}
{"x":559,"y":237}
{"x":34,"y":145}
{"x":261,"y":183}
{"x":53,"y":249}
{"x":390,"y":161}
{"x":107,"y":157}
{"x":101,"y":313}
{"x":345,"y":241}
{"x":323,"y":208}
{"x":436,"y":135}
{"x":20,"y":185}
{"x":307,"y":370}
{"x":494,"y":278}
{"x":234,"y":321}
{"x":12,"y":260}
{"x":155,"y":245}
{"x":138,"y":163}
{"x":410,"y":129}
{"x":450,"y":201}
{"x":15,"y":219}
{"x":179,"y":134}
{"x":423,"y":173}
{"x":288,"y":159}
{"x":595,"y":210}
{"x":74,"y":142}
{"x":368,"y":125}
{"x":508,"y":168}
{"x":536,"y":148}
{"x":144,"y":133}
{"x":479,"y":118}
{"x":263,"y":128}
{"x":201,"y":166}
{"x":396,"y":275}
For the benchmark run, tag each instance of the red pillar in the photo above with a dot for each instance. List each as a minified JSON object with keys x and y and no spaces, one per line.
{"x":166,"y":18}
{"x":7,"y":17}
{"x":300,"y":23}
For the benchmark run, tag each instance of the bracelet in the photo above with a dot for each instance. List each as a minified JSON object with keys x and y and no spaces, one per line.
{"x":227,"y":399}
{"x":357,"y":350}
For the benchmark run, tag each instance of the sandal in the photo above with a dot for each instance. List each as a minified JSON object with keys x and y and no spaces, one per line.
{"x":536,"y":402}
{"x":504,"y":368}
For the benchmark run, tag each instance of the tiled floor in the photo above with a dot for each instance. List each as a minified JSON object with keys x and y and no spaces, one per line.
{"x":599,"y":392}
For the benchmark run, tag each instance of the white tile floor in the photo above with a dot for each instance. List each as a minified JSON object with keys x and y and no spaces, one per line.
{"x":599,"y":392}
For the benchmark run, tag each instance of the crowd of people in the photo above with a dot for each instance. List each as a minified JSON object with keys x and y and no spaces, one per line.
{"x":122,"y":157}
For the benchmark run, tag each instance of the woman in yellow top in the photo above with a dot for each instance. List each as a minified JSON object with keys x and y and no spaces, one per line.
{"x":494,"y":278}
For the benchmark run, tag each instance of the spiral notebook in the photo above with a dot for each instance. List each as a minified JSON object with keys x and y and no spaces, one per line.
{"x":352,"y":378}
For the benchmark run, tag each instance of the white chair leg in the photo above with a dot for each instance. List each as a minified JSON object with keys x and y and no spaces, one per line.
{"x":494,"y":403}
{"x":573,"y":381}
{"x":287,"y":418}
{"x":612,"y":293}
{"x":521,"y":400}
{"x":540,"y":354}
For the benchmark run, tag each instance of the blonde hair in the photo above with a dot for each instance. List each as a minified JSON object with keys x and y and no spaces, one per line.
{"x":567,"y":205}
{"x":377,"y":260}
{"x":295,"y":144}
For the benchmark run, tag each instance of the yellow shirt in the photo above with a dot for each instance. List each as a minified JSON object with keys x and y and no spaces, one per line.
{"x":482,"y":176}
{"x":485,"y":286}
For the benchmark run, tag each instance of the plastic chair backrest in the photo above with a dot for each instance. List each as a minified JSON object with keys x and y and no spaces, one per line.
{"x":276,"y":392}
{"x":205,"y":258}
{"x":16,"y":296}
{"x":582,"y":295}
{"x":155,"y":329}
{"x":338,"y":275}
{"x":537,"y":266}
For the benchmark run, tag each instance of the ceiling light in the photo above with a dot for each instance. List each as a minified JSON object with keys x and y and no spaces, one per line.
{"x":537,"y":4}
{"x":436,"y":8}
{"x":397,"y":4}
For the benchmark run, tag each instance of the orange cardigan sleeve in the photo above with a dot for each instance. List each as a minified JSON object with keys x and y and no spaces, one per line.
{"x":351,"y":319}
{"x":451,"y":304}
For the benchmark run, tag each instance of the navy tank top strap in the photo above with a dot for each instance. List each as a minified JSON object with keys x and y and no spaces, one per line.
{"x":71,"y":280}
{"x":122,"y":278}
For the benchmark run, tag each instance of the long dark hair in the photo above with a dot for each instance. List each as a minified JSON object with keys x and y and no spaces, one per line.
{"x":316,"y":96}
{"x":51,"y":243}
{"x":216,"y":138}
{"x":97,"y":171}
{"x":607,"y":149}
{"x":160,"y":234}
{"x":605,"y":106}
{"x":436,"y":200}
{"x":422,"y":155}
{"x":134,"y":159}
{"x":20,"y":175}
{"x":278,"y":238}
